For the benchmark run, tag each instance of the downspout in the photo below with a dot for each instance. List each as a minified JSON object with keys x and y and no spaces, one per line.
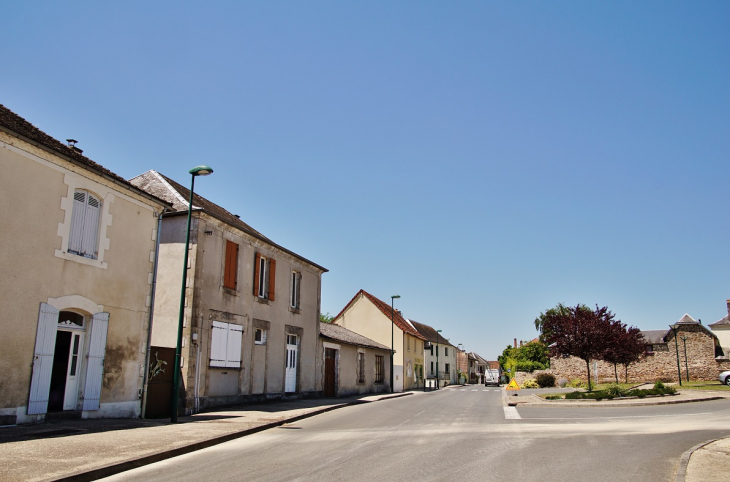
{"x":146,"y":381}
{"x":197,"y":377}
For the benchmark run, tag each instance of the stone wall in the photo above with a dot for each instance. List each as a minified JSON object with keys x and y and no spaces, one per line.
{"x":660,"y":365}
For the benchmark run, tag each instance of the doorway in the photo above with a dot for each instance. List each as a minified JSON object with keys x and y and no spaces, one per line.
{"x":329,"y":372}
{"x":64,"y":391}
{"x":292,"y":350}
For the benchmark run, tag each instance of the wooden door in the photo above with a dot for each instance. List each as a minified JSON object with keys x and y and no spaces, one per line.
{"x":329,"y":372}
{"x":159,"y":388}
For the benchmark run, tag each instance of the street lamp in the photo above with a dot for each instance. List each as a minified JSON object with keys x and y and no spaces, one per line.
{"x":438,"y":379}
{"x":676,"y":346}
{"x":196,"y":171}
{"x":686,"y":366}
{"x":392,"y":330}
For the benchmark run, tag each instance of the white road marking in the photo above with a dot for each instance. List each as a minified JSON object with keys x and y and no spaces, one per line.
{"x":475,"y":390}
{"x":510,"y":413}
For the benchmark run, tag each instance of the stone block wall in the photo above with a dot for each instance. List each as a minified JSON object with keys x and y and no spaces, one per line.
{"x":661,"y":365}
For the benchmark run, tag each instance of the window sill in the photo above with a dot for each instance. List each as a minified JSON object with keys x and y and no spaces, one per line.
{"x":80,"y":259}
{"x":229,"y":291}
{"x":296,"y":311}
{"x":263,"y":301}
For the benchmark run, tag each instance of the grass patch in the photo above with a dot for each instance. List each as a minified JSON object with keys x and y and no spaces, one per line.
{"x":611,"y":392}
{"x":704,"y":385}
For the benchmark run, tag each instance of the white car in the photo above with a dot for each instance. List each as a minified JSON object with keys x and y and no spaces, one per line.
{"x":725,"y":377}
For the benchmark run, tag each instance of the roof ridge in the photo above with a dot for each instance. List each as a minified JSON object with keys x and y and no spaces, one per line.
{"x":175,"y":192}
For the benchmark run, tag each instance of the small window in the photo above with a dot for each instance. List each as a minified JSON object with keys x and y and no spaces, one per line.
{"x":379,"y":377}
{"x":296,"y":279}
{"x":431,"y":350}
{"x":70,"y":319}
{"x":230,"y":269}
{"x":225,"y":345}
{"x":432,"y":368}
{"x":447,"y":369}
{"x":361,"y":368}
{"x":84,"y":236}
{"x":264,"y":282}
{"x":446,"y":351}
{"x":259,"y":337}
{"x":291,"y":340}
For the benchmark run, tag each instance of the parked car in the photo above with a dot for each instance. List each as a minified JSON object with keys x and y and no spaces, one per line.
{"x":725,"y":377}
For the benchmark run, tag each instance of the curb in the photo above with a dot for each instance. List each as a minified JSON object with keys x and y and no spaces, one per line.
{"x":684,"y":460}
{"x":119,"y":467}
{"x":586,"y":403}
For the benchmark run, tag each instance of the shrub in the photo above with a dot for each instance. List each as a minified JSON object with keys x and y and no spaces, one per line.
{"x":531,"y":383}
{"x":576,"y":383}
{"x":614,"y":391}
{"x":546,"y":380}
{"x":658,"y":385}
{"x":529,"y":366}
{"x":553,"y":397}
{"x":562,"y":382}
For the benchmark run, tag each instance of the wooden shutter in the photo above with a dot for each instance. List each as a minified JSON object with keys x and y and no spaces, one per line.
{"x":91,"y":227}
{"x":76,"y":235}
{"x":218,"y":344}
{"x":45,"y":345}
{"x":233,"y":348}
{"x":272,"y":278}
{"x":230,"y":271}
{"x":95,"y":365}
{"x":256,"y":267}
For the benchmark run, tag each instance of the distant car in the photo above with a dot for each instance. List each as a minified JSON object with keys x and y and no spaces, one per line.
{"x":725,"y":377}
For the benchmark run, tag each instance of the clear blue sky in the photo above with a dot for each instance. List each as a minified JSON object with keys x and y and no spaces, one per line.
{"x":484,"y":160}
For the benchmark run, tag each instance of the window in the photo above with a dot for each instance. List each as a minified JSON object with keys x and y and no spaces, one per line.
{"x":446,"y":351}
{"x":296,"y":279}
{"x":431,"y":368}
{"x":225,"y":345}
{"x":230,"y":270}
{"x":259,"y":337}
{"x":264,"y":277}
{"x":431,"y":350}
{"x":379,"y":376}
{"x":361,"y":368}
{"x":84,"y":235}
{"x":447,"y":368}
{"x":408,"y":343}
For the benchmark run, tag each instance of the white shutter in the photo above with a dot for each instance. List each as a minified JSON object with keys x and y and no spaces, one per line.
{"x":233,"y":352}
{"x":76,"y":236}
{"x":45,"y":344}
{"x":218,"y":344}
{"x":91,"y":226}
{"x":95,"y":363}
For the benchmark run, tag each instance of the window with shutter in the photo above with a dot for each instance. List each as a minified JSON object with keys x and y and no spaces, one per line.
{"x":225,"y":345}
{"x":230,"y":270}
{"x":264,"y":282}
{"x":84,"y":235}
{"x":295,"y":288}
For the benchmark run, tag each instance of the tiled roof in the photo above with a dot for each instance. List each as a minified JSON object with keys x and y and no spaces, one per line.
{"x":343,"y":335}
{"x":385,"y":308}
{"x":162,"y":186}
{"x":429,"y":333}
{"x":723,"y":321}
{"x":494,"y":365}
{"x":655,"y":337}
{"x":13,"y":124}
{"x":686,"y":320}
{"x":479,"y":359}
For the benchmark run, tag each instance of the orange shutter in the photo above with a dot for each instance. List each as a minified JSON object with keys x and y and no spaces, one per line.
{"x":256,"y":263}
{"x":230,"y":273}
{"x":272,"y":278}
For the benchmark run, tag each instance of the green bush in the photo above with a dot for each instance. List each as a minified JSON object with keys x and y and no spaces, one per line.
{"x":614,"y":390}
{"x":554,"y":397}
{"x":529,"y":366}
{"x":546,"y":380}
{"x":530,"y":383}
{"x":658,"y":385}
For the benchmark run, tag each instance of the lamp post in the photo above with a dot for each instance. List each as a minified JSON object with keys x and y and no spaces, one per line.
{"x":392,"y":330}
{"x":686,"y":365}
{"x":676,"y":346}
{"x":438,"y":379}
{"x":196,"y":171}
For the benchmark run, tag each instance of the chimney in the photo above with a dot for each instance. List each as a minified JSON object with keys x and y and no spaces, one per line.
{"x":72,"y":145}
{"x":728,"y":307}
{"x":515,"y":342}
{"x":520,"y":343}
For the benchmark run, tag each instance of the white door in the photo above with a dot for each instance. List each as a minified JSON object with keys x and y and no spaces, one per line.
{"x":291,"y":363}
{"x":71,"y":395}
{"x":45,"y":342}
{"x":95,"y":361}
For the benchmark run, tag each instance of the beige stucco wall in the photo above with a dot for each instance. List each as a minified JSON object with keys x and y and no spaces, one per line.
{"x":363,"y":317}
{"x":36,"y":219}
{"x":346,"y":369}
{"x":443,"y":359}
{"x":723,"y":334}
{"x":262,"y":369}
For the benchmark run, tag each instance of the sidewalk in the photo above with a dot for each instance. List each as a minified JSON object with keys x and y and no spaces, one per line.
{"x":708,"y":462}
{"x":90,"y":449}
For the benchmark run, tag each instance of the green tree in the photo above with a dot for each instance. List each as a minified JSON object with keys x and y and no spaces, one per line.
{"x":326,"y":318}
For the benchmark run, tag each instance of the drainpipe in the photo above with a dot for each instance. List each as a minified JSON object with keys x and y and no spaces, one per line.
{"x":146,"y":380}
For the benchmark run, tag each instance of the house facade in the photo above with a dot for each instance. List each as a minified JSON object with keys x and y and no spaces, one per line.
{"x":721,"y":329}
{"x":251,"y":318}
{"x":368,"y":316}
{"x":439,"y":355}
{"x":696,"y":347}
{"x":78,"y":252}
{"x":351,"y":364}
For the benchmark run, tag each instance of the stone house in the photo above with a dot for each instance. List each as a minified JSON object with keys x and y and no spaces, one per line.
{"x":368,"y":316}
{"x":352,"y":364}
{"x":697,"y":347}
{"x":251,"y":318}
{"x":78,"y":251}
{"x":438,"y":351}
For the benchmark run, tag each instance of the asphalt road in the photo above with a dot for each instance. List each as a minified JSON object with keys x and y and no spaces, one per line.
{"x":460,"y":434}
